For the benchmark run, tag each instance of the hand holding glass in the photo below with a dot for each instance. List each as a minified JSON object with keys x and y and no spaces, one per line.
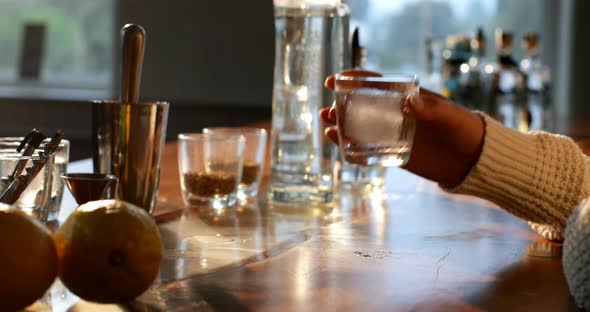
{"x":374,"y":127}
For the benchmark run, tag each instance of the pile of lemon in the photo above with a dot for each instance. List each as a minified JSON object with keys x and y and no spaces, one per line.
{"x":107,"y":251}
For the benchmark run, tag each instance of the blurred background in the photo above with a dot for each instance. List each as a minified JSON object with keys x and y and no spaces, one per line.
{"x":213,"y":60}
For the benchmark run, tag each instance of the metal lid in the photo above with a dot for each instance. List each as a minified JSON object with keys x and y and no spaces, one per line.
{"x":478,"y":43}
{"x":504,"y":39}
{"x":530,"y":41}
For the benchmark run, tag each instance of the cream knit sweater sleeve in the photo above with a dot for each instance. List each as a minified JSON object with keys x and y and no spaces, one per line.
{"x":537,"y":176}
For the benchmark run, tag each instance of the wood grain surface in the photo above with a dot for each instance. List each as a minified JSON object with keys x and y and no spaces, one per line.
{"x":414,"y":248}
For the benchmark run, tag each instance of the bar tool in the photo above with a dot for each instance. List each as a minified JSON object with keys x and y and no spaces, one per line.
{"x":27,"y":146}
{"x":17,"y":182}
{"x":130,"y":134}
{"x":87,"y":187}
{"x":133,"y":37}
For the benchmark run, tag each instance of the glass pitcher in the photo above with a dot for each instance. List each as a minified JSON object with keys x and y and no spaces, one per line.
{"x":311,"y":42}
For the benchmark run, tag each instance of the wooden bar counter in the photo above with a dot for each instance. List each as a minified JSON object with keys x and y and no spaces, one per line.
{"x":413,"y":248}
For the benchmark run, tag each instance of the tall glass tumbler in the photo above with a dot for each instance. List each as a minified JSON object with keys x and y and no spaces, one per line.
{"x":129,"y":139}
{"x":374,"y":127}
{"x":311,"y":43}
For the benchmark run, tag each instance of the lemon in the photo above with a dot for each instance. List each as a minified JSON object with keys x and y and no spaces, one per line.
{"x":109,"y":251}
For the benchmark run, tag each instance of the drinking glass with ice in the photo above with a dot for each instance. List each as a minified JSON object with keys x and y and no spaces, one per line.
{"x":373,"y":126}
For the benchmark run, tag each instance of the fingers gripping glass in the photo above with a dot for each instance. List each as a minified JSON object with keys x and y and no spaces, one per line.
{"x":373,"y":126}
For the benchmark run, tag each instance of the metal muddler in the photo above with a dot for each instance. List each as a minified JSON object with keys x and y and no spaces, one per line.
{"x":105,"y":117}
{"x":133,"y":41}
{"x":130,"y":135}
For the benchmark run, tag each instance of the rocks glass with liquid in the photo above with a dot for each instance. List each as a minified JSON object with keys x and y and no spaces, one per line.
{"x":373,"y":125}
{"x":210,"y":167}
{"x":254,"y":157}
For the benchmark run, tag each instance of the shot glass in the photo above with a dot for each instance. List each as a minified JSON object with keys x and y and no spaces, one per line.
{"x":254,"y":154}
{"x":34,"y":198}
{"x":373,"y":125}
{"x":210,"y":168}
{"x":60,"y":167}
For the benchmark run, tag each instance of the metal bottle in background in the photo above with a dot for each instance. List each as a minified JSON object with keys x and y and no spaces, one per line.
{"x":507,"y":86}
{"x":537,"y":84}
{"x":311,"y":43}
{"x":475,"y":85}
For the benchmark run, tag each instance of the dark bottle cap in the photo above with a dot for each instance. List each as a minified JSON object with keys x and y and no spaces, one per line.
{"x":530,"y":42}
{"x":504,"y":40}
{"x":478,"y":43}
{"x":458,"y":50}
{"x":359,"y":53}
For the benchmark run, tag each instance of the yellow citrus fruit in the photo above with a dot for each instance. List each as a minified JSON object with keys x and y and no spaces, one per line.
{"x":28,"y":261}
{"x":109,"y":251}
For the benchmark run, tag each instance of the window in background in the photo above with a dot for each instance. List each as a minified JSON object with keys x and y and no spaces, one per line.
{"x":395,"y":31}
{"x":78,"y":41}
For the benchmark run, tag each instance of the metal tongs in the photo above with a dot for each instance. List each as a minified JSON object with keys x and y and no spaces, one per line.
{"x":12,"y":186}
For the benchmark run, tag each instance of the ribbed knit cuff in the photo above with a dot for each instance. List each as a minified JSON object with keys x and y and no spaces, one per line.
{"x":536,"y":176}
{"x":576,"y":258}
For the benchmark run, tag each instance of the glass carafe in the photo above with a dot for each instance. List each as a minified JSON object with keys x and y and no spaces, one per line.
{"x":311,"y":42}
